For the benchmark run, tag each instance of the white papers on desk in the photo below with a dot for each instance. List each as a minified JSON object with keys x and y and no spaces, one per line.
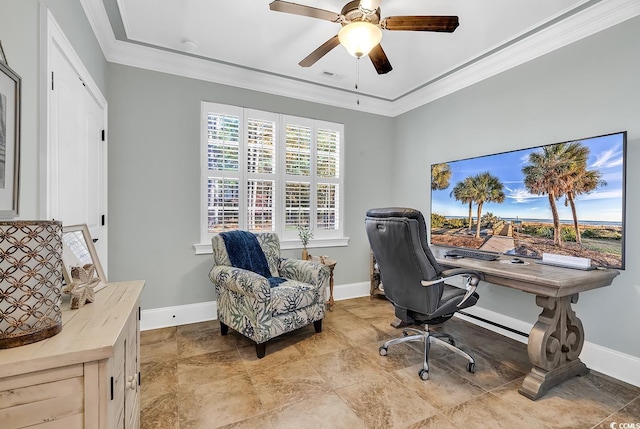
{"x":566,"y":261}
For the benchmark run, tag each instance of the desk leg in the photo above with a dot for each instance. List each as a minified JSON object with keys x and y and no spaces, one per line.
{"x":555,"y":342}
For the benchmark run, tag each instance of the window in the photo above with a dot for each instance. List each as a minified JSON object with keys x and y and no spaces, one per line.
{"x":263,"y":171}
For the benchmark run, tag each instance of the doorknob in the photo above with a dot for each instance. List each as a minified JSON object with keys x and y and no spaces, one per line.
{"x":94,"y":240}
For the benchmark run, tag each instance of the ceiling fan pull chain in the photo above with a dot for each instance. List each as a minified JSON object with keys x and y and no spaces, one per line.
{"x":357,"y":73}
{"x":358,"y":80}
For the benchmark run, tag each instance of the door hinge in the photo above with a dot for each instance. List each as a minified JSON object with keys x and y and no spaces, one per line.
{"x":103,"y":135}
{"x":112,"y":388}
{"x":102,"y":220}
{"x":138,"y":378}
{"x":51,"y":81}
{"x":139,"y":314}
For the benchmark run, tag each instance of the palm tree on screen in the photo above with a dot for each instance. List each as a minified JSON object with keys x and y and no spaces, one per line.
{"x":580,"y":180}
{"x":463,"y":192}
{"x":440,"y":176}
{"x":549,"y":173}
{"x":485,"y":188}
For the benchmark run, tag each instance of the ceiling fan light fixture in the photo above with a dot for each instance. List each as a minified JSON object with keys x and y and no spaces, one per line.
{"x":360,"y":37}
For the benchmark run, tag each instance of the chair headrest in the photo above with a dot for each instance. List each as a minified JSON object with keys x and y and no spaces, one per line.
{"x":387,"y":212}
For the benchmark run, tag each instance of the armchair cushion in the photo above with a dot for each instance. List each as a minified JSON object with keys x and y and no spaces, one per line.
{"x":304,"y":271}
{"x":292,"y":295}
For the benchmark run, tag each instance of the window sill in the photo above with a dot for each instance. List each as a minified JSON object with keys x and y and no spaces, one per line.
{"x":205,"y":248}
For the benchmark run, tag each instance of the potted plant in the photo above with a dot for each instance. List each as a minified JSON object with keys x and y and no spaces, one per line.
{"x":305,"y":233}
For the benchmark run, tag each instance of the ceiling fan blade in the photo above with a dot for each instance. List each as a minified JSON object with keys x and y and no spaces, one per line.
{"x":320,"y":52}
{"x":298,"y":9}
{"x":446,"y":24}
{"x":380,"y":60}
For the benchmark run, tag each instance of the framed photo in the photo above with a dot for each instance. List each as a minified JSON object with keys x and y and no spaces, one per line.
{"x":78,"y":251}
{"x":9,"y":141}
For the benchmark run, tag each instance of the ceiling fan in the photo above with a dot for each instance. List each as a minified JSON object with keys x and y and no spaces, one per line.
{"x":362,"y":27}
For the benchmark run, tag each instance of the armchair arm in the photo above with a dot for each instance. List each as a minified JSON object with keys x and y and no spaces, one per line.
{"x":471,"y":284}
{"x":304,"y":271}
{"x":238,"y":280}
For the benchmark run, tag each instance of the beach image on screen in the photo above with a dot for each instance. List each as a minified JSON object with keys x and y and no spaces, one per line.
{"x":566,"y":198}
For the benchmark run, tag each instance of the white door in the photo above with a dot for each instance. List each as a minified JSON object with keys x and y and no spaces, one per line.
{"x":76,"y":152}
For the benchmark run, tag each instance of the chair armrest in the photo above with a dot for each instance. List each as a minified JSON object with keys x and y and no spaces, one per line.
{"x":476,"y":276}
{"x":471,"y":284}
{"x":304,"y":271}
{"x":238,"y":280}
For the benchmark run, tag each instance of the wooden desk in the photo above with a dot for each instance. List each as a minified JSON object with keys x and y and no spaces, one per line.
{"x":556,"y":339}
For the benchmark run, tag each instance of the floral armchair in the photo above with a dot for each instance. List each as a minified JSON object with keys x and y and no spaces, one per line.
{"x":251,"y":306}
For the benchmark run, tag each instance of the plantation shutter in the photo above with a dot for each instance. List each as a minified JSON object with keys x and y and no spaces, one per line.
{"x":328,"y":179}
{"x":261,"y":169}
{"x":223,"y":155}
{"x":267,"y":172}
{"x":298,"y":150}
{"x":298,"y":173}
{"x":297,"y":204}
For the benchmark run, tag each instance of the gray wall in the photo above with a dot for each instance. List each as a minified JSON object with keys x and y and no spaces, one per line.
{"x":19,"y":32}
{"x":585,"y":89}
{"x":588,"y":88}
{"x":154,"y":180}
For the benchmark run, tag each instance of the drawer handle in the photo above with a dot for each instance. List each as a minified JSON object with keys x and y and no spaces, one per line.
{"x":132,"y":382}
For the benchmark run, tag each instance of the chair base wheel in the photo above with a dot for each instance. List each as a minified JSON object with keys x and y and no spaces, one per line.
{"x":424,"y":374}
{"x":382,"y":351}
{"x":471,"y":367}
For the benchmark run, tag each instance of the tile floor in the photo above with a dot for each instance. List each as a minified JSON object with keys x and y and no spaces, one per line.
{"x":192,"y":377}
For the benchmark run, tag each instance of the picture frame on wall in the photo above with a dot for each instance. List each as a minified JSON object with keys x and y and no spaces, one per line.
{"x":10,"y":90}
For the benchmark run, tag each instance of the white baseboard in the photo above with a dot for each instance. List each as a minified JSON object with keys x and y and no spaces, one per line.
{"x":501,"y":319}
{"x":612,"y":363}
{"x":351,"y":290}
{"x":165,"y":317}
{"x":607,"y":361}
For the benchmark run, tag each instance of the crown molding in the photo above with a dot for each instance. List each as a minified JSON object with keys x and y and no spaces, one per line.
{"x":594,"y":19}
{"x":169,"y":62}
{"x":583,"y":24}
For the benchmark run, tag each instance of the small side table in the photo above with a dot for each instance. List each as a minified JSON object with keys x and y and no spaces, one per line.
{"x":376,"y":281}
{"x":331,"y":263}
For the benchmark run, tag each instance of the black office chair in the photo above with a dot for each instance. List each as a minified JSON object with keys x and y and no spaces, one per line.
{"x":414,"y":282}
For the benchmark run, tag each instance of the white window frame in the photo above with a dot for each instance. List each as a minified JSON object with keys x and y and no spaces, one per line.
{"x":288,"y":239}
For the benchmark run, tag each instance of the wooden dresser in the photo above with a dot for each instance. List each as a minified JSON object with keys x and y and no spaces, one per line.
{"x":87,"y":376}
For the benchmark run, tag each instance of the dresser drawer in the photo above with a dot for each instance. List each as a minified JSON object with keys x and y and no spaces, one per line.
{"x":43,"y":399}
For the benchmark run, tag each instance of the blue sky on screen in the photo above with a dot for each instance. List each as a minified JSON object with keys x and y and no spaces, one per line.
{"x":603,"y":204}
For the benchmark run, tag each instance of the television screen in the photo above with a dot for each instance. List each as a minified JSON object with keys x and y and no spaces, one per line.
{"x":565,"y":198}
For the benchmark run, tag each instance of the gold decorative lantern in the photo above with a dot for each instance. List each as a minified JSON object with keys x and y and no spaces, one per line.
{"x":30,"y":281}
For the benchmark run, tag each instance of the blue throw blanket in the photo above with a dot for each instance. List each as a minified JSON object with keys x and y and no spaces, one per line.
{"x":245,"y":252}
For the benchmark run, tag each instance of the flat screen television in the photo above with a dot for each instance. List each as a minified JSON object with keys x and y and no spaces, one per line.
{"x":566,"y":198}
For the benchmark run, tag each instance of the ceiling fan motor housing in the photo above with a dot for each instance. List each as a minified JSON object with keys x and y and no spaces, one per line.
{"x":352,"y":13}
